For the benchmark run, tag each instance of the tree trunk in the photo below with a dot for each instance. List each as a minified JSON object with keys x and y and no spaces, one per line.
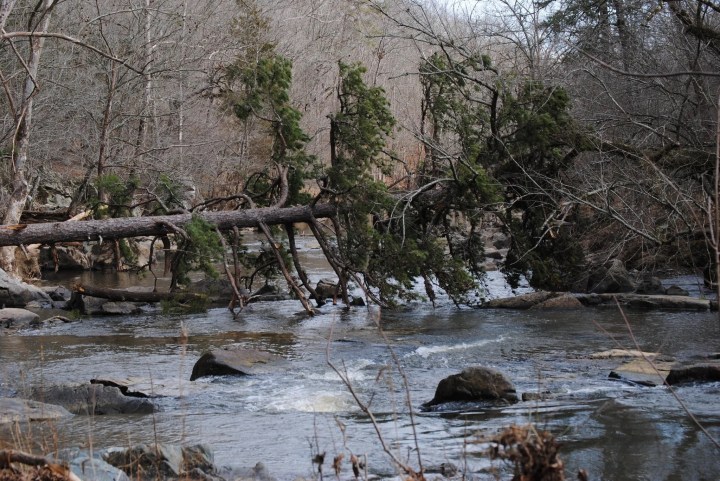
{"x":21,"y":142}
{"x":118,"y":228}
{"x":121,"y":295}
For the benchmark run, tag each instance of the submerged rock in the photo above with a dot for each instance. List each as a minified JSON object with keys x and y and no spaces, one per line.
{"x":232,"y":361}
{"x":474,"y":384}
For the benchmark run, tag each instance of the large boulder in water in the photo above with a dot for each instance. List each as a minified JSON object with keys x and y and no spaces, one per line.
{"x":231,"y":360}
{"x":93,"y":399}
{"x":472,"y":385}
{"x":15,"y":293}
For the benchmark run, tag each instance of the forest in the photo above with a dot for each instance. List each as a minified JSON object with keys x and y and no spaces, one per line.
{"x":394,"y":131}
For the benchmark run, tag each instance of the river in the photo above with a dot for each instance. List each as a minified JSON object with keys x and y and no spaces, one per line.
{"x":615,"y":431}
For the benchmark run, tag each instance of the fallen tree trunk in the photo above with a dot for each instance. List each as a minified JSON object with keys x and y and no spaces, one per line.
{"x":48,"y":233}
{"x":122,"y":295}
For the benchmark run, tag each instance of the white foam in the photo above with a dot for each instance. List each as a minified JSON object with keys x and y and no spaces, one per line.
{"x":426,"y":351}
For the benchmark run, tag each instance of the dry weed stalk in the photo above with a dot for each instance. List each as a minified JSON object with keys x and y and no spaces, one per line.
{"x":533,"y":453}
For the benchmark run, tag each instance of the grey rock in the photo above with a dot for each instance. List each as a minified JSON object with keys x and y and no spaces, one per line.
{"x":524,"y":301}
{"x":23,"y":410}
{"x":58,"y":293}
{"x":232,"y":361}
{"x":327,"y":288}
{"x":564,"y":301}
{"x":87,"y":467}
{"x":15,"y":293}
{"x":16,"y":318}
{"x":611,"y":278}
{"x":92,"y":399}
{"x":162,"y":461}
{"x":650,"y":285}
{"x":676,"y":291}
{"x":474,"y":384}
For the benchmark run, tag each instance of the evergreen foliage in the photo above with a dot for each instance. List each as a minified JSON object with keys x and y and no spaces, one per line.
{"x":265,"y":95}
{"x":483,"y":132}
{"x":198,"y":250}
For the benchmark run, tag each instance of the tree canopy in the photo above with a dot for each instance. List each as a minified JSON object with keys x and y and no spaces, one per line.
{"x":586,"y":130}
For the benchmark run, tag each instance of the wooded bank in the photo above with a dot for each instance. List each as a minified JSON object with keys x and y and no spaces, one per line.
{"x":124,"y":227}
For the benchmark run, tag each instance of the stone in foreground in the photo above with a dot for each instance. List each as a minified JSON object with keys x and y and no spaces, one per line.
{"x":15,"y":410}
{"x":231,"y":361}
{"x":472,"y":385}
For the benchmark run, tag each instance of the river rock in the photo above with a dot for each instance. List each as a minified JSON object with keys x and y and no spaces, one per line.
{"x":524,"y":301}
{"x":610,"y":278}
{"x":98,"y":306}
{"x":163,"y":461}
{"x":650,"y":285}
{"x":58,"y":293}
{"x":327,"y":288}
{"x":16,"y":318}
{"x":92,"y":399}
{"x":474,"y":384}
{"x":699,"y":372}
{"x":15,"y":293}
{"x":88,"y":467}
{"x":646,"y":371}
{"x":231,"y":361}
{"x":563,"y":301}
{"x":676,"y":291}
{"x":18,"y":410}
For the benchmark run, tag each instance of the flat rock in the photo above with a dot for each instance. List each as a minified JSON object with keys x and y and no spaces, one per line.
{"x":23,"y":410}
{"x":16,"y":318}
{"x":525,"y":301}
{"x":143,"y":387}
{"x":614,"y":353}
{"x":650,"y":372}
{"x":644,"y":301}
{"x":233,"y":361}
{"x":564,"y":301}
{"x":92,"y":399}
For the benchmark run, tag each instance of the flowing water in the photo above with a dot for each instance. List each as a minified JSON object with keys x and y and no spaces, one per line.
{"x":284,"y":416}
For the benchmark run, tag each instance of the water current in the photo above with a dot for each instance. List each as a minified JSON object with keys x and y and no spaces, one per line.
{"x":282,"y":417}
